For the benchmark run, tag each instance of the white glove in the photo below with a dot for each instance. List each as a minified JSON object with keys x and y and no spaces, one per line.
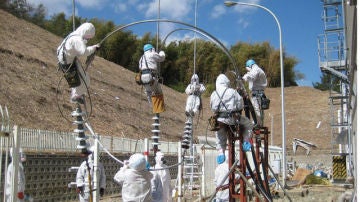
{"x":162,"y":53}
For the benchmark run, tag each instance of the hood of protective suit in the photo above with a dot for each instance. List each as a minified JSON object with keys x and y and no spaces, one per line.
{"x":91,"y":153}
{"x":22,"y":156}
{"x":195,"y":79}
{"x":159,"y":158}
{"x":222,"y":81}
{"x":137,"y":162}
{"x":86,"y":30}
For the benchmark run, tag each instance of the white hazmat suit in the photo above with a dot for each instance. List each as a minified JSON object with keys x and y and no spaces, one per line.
{"x":156,"y":188}
{"x":73,"y":46}
{"x":225,"y":100}
{"x":257,"y":83}
{"x":150,"y":77}
{"x":21,"y":178}
{"x":82,"y":178}
{"x":135,"y":180}
{"x":221,"y":172}
{"x":194,"y":91}
{"x":164,"y":174}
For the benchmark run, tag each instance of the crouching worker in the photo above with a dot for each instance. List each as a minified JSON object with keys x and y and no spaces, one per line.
{"x":227,"y":103}
{"x":72,"y":47}
{"x":135,"y":179}
{"x":150,"y":77}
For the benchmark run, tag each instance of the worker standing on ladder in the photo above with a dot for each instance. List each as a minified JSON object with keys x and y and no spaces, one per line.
{"x":72,"y":47}
{"x":256,"y":78}
{"x":194,"y":91}
{"x":227,"y":103}
{"x":150,"y":77}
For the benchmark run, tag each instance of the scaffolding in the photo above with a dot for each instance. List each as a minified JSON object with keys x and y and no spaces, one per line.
{"x":331,"y":49}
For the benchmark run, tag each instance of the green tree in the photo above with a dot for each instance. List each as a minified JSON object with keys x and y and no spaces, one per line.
{"x":38,"y":16}
{"x":328,"y":82}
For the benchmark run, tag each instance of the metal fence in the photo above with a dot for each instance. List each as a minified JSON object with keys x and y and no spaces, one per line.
{"x":56,"y":141}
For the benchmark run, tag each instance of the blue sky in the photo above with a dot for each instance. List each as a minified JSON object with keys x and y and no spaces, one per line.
{"x":300,"y":22}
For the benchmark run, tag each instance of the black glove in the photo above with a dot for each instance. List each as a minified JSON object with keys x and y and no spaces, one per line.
{"x":80,"y":190}
{"x":102,"y":191}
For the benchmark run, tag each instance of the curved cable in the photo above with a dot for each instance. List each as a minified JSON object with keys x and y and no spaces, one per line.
{"x":58,"y":104}
{"x":96,"y":137}
{"x":167,"y":167}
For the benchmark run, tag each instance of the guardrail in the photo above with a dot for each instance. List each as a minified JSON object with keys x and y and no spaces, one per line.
{"x":56,"y":141}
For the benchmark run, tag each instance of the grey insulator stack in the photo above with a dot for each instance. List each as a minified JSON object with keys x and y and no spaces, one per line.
{"x":185,"y":143}
{"x":80,"y":130}
{"x":155,"y":131}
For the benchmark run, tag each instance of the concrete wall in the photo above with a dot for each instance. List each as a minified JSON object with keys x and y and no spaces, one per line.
{"x":48,"y":176}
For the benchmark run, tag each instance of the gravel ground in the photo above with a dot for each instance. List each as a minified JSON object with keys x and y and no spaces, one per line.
{"x":308,"y":193}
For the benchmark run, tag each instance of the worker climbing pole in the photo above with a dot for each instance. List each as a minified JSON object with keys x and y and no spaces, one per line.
{"x":68,"y":53}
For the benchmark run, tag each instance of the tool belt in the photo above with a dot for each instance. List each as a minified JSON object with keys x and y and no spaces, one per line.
{"x":264,"y":101}
{"x":147,"y":76}
{"x":71,"y":74}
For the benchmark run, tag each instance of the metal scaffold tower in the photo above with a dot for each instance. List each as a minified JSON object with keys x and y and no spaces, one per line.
{"x":331,"y":49}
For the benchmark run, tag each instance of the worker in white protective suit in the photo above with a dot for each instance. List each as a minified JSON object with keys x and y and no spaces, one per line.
{"x":85,"y":173}
{"x":72,"y":47}
{"x":164,"y":174}
{"x":227,"y":103}
{"x":21,"y":177}
{"x":221,"y":172}
{"x":135,"y":179}
{"x":256,"y":78}
{"x":150,"y":77}
{"x":194,"y":91}
{"x":156,"y":187}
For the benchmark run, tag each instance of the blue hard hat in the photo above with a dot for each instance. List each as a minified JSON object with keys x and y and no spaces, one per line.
{"x":250,"y":62}
{"x":220,"y":158}
{"x":147,"y":47}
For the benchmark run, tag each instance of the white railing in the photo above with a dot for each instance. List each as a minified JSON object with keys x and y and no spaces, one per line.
{"x":55,"y":141}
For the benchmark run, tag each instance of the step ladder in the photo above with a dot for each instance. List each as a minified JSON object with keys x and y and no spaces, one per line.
{"x":192,"y":174}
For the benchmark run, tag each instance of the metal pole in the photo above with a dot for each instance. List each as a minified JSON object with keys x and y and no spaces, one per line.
{"x":195,"y":35}
{"x":357,"y":139}
{"x":232,"y":3}
{"x":179,"y":181}
{"x":96,"y":171}
{"x":272,"y":129}
{"x":146,"y":149}
{"x":73,"y":15}
{"x":15,"y":162}
{"x":158,"y":28}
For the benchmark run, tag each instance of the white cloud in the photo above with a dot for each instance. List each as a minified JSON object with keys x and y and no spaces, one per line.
{"x":54,"y":6}
{"x":94,"y":4}
{"x":168,"y":8}
{"x":218,"y":11}
{"x":120,"y":8}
